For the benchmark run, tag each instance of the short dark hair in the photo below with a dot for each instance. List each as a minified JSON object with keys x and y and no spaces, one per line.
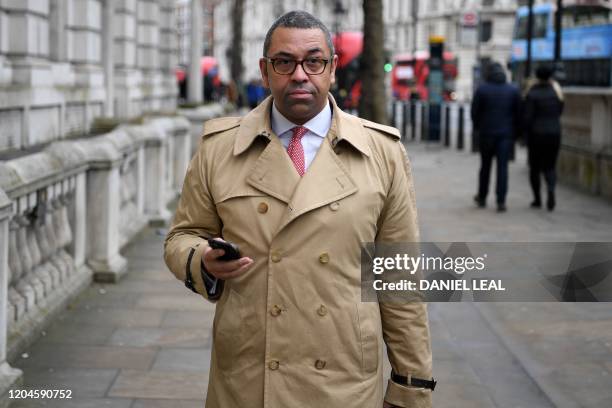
{"x":298,"y":19}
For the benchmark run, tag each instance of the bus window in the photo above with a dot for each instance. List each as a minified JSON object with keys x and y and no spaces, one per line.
{"x":588,"y":16}
{"x":601,"y":16}
{"x":540,"y":27}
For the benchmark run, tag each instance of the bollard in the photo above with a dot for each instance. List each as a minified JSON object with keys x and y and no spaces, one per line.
{"x":447,"y":125}
{"x":405,"y":117}
{"x":424,"y":126}
{"x":434,"y":119}
{"x":460,"y":129}
{"x":413,"y":119}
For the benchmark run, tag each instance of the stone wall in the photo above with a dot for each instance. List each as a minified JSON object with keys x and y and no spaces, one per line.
{"x":585,"y":160}
{"x":64,"y":63}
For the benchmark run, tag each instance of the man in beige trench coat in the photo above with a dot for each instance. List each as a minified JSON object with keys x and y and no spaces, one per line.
{"x":299,"y":185}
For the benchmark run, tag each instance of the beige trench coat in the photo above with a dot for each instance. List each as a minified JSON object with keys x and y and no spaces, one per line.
{"x":292,"y":331}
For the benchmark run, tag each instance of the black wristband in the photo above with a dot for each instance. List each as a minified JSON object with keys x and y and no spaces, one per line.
{"x":414,"y":382}
{"x":188,"y":278}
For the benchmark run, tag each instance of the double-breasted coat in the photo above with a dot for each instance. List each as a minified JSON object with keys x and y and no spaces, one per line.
{"x":292,"y":331}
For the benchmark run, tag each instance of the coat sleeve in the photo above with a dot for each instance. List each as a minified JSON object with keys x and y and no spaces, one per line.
{"x":195,"y":220}
{"x":529,"y":109}
{"x":405,"y":325}
{"x":517,"y":121}
{"x":475,"y":110}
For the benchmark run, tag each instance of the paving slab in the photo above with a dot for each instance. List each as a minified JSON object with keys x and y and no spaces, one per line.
{"x":183,"y":360}
{"x":160,"y":385}
{"x":84,"y":383}
{"x":151,"y":403}
{"x":75,"y":403}
{"x":177,"y":337}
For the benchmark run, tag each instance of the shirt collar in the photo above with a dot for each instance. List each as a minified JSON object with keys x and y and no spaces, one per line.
{"x":344,"y":126}
{"x":319,"y":125}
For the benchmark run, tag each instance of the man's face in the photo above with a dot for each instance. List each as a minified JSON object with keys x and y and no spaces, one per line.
{"x":298,"y":96}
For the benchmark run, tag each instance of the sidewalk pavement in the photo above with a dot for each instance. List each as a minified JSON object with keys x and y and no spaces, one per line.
{"x":145,"y":342}
{"x":528,"y":354}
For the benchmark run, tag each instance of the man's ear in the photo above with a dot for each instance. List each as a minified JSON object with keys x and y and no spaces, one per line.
{"x":334,"y":64}
{"x":263,"y":68}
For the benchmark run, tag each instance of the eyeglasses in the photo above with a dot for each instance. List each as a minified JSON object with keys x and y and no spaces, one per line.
{"x":286,"y":66}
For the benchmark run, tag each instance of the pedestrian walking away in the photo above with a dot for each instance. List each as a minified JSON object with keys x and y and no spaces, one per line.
{"x":495,"y":114}
{"x":299,"y":185}
{"x":543,"y":109}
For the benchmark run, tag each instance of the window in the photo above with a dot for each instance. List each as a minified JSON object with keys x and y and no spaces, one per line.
{"x":57,"y":31}
{"x":586,"y":16}
{"x":486,"y":31}
{"x":488,"y":3}
{"x":540,"y":27}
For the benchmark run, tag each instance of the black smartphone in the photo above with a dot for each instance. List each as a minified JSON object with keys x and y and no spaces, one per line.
{"x":231,"y":250}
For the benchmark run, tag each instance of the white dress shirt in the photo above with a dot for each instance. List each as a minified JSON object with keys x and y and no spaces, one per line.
{"x":311,"y":141}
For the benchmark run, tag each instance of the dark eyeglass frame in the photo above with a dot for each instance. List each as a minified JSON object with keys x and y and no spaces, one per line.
{"x":298,"y":62}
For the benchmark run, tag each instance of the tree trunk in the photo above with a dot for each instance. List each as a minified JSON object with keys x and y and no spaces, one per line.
{"x":236,"y":66}
{"x":373,"y":101}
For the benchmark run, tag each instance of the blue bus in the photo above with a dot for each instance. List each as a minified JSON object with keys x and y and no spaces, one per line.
{"x":586,"y":41}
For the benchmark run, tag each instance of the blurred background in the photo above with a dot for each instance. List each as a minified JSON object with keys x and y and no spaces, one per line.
{"x":101,"y":107}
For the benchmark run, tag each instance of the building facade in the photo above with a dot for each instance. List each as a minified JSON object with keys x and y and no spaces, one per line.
{"x":64,"y":63}
{"x":183,"y":28}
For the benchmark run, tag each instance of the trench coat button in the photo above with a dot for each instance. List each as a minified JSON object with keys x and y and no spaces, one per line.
{"x":324,"y":258}
{"x":322,"y":310}
{"x":320,"y":364}
{"x":273,"y":365}
{"x":262,"y":208}
{"x":276,"y":310}
{"x":334,"y":206}
{"x":276,"y":257}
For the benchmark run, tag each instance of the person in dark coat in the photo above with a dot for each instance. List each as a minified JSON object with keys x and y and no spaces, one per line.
{"x":543,"y":108}
{"x":496,"y":117}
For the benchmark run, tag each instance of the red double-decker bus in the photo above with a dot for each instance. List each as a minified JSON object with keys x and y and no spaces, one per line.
{"x":410,"y":72}
{"x":347,"y":90}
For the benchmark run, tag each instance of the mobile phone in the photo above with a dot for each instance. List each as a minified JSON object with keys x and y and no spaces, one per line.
{"x":231,"y":250}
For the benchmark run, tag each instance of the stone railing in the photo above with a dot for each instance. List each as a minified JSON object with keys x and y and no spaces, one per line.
{"x":44,"y":242}
{"x":66,"y":212}
{"x":200,"y":115}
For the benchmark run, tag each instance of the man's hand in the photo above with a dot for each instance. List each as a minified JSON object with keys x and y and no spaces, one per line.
{"x":387,"y":405}
{"x":224,"y":269}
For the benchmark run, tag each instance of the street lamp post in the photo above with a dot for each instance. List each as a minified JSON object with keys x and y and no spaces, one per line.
{"x":194,"y":82}
{"x":415,"y":17}
{"x":558,"y":27}
{"x":529,"y":37}
{"x":339,"y":11}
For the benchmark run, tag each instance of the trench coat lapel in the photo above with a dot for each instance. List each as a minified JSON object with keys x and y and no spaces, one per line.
{"x":273,"y":172}
{"x":326,"y":180}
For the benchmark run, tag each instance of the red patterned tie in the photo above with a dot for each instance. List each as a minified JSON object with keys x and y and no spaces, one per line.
{"x":295,"y":149}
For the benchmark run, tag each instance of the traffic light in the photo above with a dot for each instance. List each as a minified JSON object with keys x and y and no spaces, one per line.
{"x":388,"y":67}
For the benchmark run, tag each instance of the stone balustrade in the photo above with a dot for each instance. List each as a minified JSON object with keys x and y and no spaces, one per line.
{"x":66,"y":212}
{"x":198,"y":116}
{"x":44,"y":238}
